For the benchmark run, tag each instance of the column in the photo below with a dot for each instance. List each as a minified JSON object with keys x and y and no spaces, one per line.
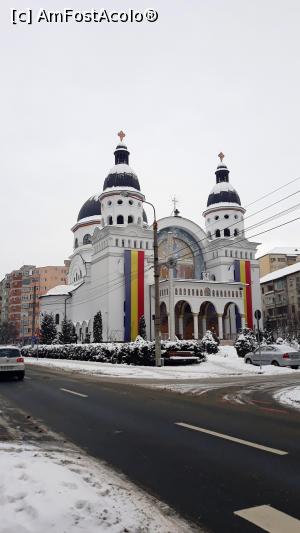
{"x":243,"y":321}
{"x":169,"y":325}
{"x":180,"y":326}
{"x":196,"y":327}
{"x":204,"y":327}
{"x":220,"y":325}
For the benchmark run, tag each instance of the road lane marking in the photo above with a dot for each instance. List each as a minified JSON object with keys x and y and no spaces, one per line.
{"x":233,"y":439}
{"x":76,"y":393}
{"x":269,"y":519}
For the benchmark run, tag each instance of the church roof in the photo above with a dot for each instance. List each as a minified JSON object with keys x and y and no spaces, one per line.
{"x":90,"y":208}
{"x":223,"y":191}
{"x":121,"y":174}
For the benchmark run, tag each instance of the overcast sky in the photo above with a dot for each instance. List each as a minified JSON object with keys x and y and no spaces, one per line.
{"x":210,"y":75}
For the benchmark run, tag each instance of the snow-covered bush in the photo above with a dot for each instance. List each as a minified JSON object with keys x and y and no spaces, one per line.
{"x":209,"y":344}
{"x":140,"y":352}
{"x":280,"y":340}
{"x":246,"y":342}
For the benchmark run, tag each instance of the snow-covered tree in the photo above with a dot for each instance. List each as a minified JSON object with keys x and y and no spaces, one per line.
{"x":66,"y":334}
{"x":97,"y":328}
{"x":142,"y":327}
{"x":48,"y":329}
{"x":209,"y":344}
{"x":246,"y":342}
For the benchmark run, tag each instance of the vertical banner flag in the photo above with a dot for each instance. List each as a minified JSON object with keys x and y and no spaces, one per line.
{"x":134,"y":292}
{"x":242,"y":273}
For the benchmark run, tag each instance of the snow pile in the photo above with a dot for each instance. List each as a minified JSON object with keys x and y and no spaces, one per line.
{"x":289,"y":396}
{"x":49,"y":492}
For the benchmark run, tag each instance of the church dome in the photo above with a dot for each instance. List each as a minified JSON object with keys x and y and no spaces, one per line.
{"x":90,"y":208}
{"x":223,"y":192}
{"x":121,"y":175}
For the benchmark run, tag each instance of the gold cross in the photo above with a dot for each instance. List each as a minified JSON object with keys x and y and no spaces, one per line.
{"x":121,"y":134}
{"x":221,"y":156}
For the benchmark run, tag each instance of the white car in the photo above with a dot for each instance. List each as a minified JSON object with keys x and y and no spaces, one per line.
{"x":274,"y":354}
{"x":12,"y":362}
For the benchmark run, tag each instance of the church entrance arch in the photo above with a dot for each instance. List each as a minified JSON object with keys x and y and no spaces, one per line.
{"x":208,"y":318}
{"x":232,"y":321}
{"x":183,"y":320}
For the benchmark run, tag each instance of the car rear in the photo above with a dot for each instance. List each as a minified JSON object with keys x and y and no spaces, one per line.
{"x":11,"y":362}
{"x":289,"y":357}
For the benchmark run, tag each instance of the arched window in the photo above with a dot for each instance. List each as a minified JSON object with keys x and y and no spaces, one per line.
{"x":120,"y":219}
{"x":209,"y":234}
{"x":236,"y":232}
{"x":226,"y":232}
{"x":147,"y":245}
{"x":218,"y":233}
{"x":117,"y":242}
{"x":87,"y":239}
{"x":141,"y":244}
{"x":76,"y":243}
{"x":206,"y":291}
{"x":213,"y":293}
{"x":130,"y":219}
{"x":57,"y":318}
{"x":139,"y":221}
{"x":110,"y":220}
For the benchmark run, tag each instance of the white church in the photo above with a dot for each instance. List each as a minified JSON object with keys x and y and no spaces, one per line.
{"x":209,"y":279}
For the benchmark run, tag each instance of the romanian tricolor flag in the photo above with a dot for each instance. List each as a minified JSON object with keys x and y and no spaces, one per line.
{"x":134,"y":292}
{"x":242,"y":273}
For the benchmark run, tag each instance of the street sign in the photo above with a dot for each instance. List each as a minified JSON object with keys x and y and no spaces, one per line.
{"x":257,"y":314}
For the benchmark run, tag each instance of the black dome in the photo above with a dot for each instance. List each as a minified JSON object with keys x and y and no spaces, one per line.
{"x":145,"y":219}
{"x":90,"y":208}
{"x":230,"y":196}
{"x":121,"y":175}
{"x":223,"y":192}
{"x":121,"y":178}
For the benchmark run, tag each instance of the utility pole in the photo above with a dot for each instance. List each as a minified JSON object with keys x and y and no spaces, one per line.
{"x":171,"y":263}
{"x":156,"y":294}
{"x":33,"y":314}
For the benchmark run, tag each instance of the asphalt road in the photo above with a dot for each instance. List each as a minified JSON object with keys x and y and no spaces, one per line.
{"x":203,"y":476}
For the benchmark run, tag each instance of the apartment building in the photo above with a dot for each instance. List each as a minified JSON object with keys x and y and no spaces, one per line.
{"x":20,"y":291}
{"x":280,"y":291}
{"x":278,"y":257}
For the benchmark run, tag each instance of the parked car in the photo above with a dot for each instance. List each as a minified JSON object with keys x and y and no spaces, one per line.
{"x":11,"y":362}
{"x":274,"y":354}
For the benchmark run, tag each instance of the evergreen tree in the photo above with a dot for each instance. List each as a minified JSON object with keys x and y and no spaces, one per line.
{"x":142,"y":327}
{"x":97,"y":328}
{"x":66,"y":334}
{"x":246,"y":342}
{"x":48,"y":329}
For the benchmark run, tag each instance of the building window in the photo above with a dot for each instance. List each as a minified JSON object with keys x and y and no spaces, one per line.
{"x":226,"y":232}
{"x":123,"y":243}
{"x":134,"y":244}
{"x":117,"y":242}
{"x":110,"y":220}
{"x":139,"y":221}
{"x":120,"y":219}
{"x":87,"y":239}
{"x":218,"y":233}
{"x":76,"y":243}
{"x":147,"y":245}
{"x":236,"y":232}
{"x":216,"y":217}
{"x":57,"y":318}
{"x":226,"y":253}
{"x":241,"y":255}
{"x":226,"y":216}
{"x":120,"y":202}
{"x":129,"y":243}
{"x":130,"y":202}
{"x":130,"y":219}
{"x":141,"y":244}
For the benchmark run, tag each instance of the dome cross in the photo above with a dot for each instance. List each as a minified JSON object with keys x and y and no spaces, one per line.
{"x":221,"y":156}
{"x":121,"y":134}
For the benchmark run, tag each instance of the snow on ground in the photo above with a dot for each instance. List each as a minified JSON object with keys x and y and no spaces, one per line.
{"x":224,"y":363}
{"x":47,"y":491}
{"x":289,"y":396}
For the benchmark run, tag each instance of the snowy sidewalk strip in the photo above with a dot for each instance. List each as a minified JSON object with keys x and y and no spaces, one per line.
{"x":224,"y":363}
{"x":289,"y":396}
{"x":45,"y":490}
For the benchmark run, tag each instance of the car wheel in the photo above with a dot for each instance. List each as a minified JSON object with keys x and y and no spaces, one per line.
{"x":248,"y":361}
{"x":275,"y":363}
{"x":295,"y":367}
{"x":20,"y":376}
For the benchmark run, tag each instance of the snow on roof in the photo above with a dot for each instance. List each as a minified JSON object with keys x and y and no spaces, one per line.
{"x":222,"y":186}
{"x":285,"y":250}
{"x":281,"y":273}
{"x":120,"y":168}
{"x":61,"y":290}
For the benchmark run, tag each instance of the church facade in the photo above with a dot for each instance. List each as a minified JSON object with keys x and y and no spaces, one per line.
{"x":209,"y":278}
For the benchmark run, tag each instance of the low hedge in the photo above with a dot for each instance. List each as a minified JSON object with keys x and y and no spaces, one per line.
{"x":139,"y":352}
